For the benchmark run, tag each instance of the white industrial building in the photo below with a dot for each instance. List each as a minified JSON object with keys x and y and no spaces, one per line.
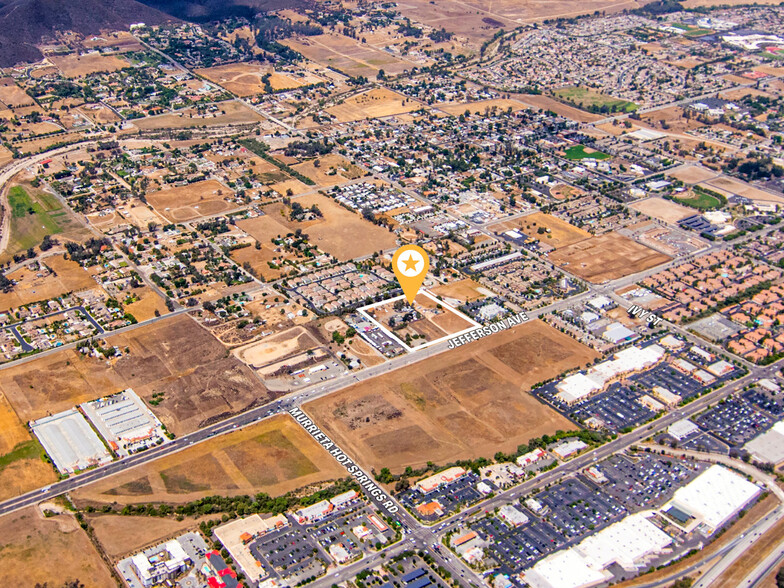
{"x":682,"y":429}
{"x":632,"y":359}
{"x":711,"y":499}
{"x":768,"y":447}
{"x":70,"y":442}
{"x":168,"y":561}
{"x":629,"y":543}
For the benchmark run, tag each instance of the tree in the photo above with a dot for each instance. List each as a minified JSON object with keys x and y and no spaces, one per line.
{"x":780,"y":577}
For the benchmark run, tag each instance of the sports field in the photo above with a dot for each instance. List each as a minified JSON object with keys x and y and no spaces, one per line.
{"x":606,"y":257}
{"x":471,"y":401}
{"x":274,"y":456}
{"x":576,"y":152}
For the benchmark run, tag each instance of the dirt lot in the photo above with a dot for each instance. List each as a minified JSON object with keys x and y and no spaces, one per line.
{"x":501,"y":104}
{"x":77,"y":66}
{"x":187,"y":367}
{"x":560,"y":234}
{"x":244,"y":79}
{"x":692,"y":174}
{"x":741,"y":188}
{"x":606,"y":257}
{"x":144,"y":308}
{"x":468,"y":402}
{"x":339,"y":232}
{"x":230,"y":112}
{"x":195,"y":200}
{"x":538,"y":101}
{"x":68,"y":276}
{"x":37,"y":550}
{"x":273,"y":456}
{"x":463,"y":290}
{"x":276,"y":347}
{"x":666,"y":210}
{"x":12,"y":95}
{"x":374,"y":103}
{"x":120,"y":535}
{"x":332,"y":169}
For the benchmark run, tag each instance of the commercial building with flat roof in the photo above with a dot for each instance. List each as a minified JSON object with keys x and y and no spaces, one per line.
{"x":768,"y":447}
{"x":70,"y":442}
{"x":441,"y":478}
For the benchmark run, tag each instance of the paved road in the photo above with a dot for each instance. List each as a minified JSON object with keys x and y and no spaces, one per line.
{"x":773,"y":562}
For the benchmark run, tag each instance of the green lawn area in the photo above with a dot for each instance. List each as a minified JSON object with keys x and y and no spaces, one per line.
{"x":700,"y":200}
{"x":32,"y":218}
{"x":594,"y":101}
{"x":578,"y":152}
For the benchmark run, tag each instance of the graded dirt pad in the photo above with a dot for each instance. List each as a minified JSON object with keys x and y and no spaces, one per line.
{"x":606,"y":257}
{"x":692,"y":174}
{"x":374,"y":103}
{"x":244,"y":79}
{"x":174,"y":357}
{"x":231,"y":112}
{"x":77,"y":66}
{"x":276,"y":347}
{"x":666,"y":210}
{"x":68,"y":276}
{"x":37,"y":550}
{"x":123,"y":535}
{"x":274,"y":456}
{"x":464,"y":290}
{"x":192,"y":201}
{"x":482,"y":106}
{"x":560,"y":234}
{"x":741,"y":188}
{"x":12,"y":95}
{"x":467,"y":402}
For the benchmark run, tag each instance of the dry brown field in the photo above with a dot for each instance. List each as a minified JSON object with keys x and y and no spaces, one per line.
{"x":244,"y":79}
{"x":482,"y":106}
{"x":192,"y":201}
{"x":68,"y":276}
{"x":672,"y":118}
{"x":187,"y":367}
{"x":99,"y":114}
{"x":231,"y":112}
{"x":666,"y":210}
{"x":120,"y":536}
{"x":149,"y":302}
{"x":538,"y":101}
{"x":274,"y":456}
{"x":37,"y":550}
{"x":42,"y":143}
{"x":561,"y":232}
{"x":276,"y":347}
{"x":343,"y":170}
{"x":464,"y":290}
{"x":12,"y":95}
{"x":348,"y":55}
{"x":472,"y":401}
{"x":727,"y":185}
{"x":77,"y":66}
{"x":692,"y":174}
{"x":374,"y":103}
{"x":606,"y":257}
{"x":258,"y":258}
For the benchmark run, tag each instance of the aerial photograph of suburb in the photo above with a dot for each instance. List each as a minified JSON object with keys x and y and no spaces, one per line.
{"x":391,"y":293}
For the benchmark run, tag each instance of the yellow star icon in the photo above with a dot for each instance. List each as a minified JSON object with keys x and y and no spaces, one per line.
{"x":410,"y":263}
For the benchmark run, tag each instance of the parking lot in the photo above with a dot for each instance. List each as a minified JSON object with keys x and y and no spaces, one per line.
{"x":291,"y":553}
{"x":734,"y":421}
{"x":452,"y":497}
{"x":577,"y":509}
{"x":618,"y":408}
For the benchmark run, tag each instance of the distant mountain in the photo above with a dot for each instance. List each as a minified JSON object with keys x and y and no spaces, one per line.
{"x":25,"y":23}
{"x":209,"y":10}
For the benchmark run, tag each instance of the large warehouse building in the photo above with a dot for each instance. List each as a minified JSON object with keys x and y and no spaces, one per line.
{"x":70,"y":442}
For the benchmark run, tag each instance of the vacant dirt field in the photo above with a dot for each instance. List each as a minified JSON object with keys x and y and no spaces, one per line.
{"x":149,"y":302}
{"x":559,"y":233}
{"x":692,"y":174}
{"x":231,"y":112}
{"x":187,"y":367}
{"x":276,"y":347}
{"x":244,"y":79}
{"x":374,"y":103}
{"x":469,"y":402}
{"x":12,"y":95}
{"x":68,"y":276}
{"x":37,"y":550}
{"x":538,"y":101}
{"x":77,"y":66}
{"x":192,"y":201}
{"x":666,"y":210}
{"x":741,"y":188}
{"x":120,"y":535}
{"x":463,"y":290}
{"x":606,"y":257}
{"x":482,"y":106}
{"x":274,"y":456}
{"x":332,"y":169}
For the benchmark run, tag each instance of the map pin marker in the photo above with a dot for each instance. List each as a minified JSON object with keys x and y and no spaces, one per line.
{"x":410,"y":264}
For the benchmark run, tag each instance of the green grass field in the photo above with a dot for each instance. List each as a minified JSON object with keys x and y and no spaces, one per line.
{"x":594,"y":101}
{"x":578,"y":152}
{"x":701,"y":201}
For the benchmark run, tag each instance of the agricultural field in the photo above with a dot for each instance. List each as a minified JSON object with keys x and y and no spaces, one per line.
{"x":375,"y":103}
{"x":274,"y":456}
{"x":606,"y":257}
{"x":576,"y":152}
{"x":12,"y":95}
{"x":470,"y":402}
{"x":67,"y":276}
{"x":192,"y":201}
{"x":78,"y":66}
{"x":554,"y":231}
{"x":665,"y":210}
{"x":174,"y":365}
{"x":35,"y":214}
{"x":593,"y":101}
{"x":35,"y":550}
